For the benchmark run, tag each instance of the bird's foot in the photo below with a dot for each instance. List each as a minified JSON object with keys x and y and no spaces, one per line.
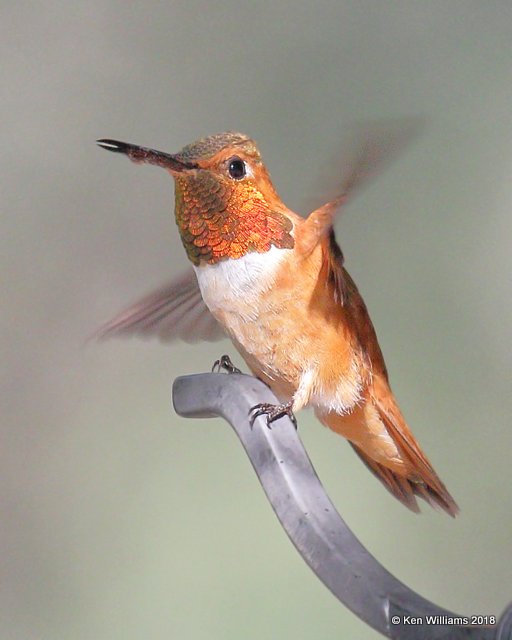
{"x":224,"y":363}
{"x":273,"y":412}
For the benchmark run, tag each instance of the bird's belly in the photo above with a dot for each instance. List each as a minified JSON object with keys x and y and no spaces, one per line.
{"x":297,"y":353}
{"x":242,"y":297}
{"x":298,"y":358}
{"x":269,"y":349}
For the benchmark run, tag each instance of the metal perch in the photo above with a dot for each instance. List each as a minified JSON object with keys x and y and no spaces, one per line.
{"x":310,"y":519}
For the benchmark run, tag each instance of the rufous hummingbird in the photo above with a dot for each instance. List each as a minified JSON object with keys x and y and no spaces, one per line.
{"x":275,"y":283}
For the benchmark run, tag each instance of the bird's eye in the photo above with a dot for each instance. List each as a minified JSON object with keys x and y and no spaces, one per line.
{"x":236,"y":168}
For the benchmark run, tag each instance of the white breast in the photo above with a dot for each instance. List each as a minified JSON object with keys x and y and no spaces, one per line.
{"x":232,"y":285}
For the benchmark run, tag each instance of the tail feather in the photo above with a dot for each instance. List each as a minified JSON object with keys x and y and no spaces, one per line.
{"x":406,"y":490}
{"x":423,"y":481}
{"x":377,"y":431}
{"x":397,"y":485}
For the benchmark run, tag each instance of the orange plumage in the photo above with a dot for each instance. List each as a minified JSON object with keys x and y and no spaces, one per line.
{"x":276,"y":284}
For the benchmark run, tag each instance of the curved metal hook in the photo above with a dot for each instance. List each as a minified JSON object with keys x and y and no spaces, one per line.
{"x":310,"y":519}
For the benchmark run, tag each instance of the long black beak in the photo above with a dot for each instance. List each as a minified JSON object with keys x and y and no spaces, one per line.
{"x":143,"y":154}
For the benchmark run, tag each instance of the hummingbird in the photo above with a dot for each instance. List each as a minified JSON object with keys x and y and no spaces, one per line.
{"x":276,"y":284}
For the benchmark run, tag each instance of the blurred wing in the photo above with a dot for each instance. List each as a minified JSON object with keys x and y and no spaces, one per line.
{"x":175,"y":311}
{"x":376,"y":145}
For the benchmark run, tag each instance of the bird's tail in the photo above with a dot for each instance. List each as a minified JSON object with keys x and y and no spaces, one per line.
{"x":406,"y":490}
{"x":377,"y":431}
{"x":421,"y":480}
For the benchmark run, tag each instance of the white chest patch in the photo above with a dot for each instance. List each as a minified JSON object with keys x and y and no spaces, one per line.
{"x":231,"y":282}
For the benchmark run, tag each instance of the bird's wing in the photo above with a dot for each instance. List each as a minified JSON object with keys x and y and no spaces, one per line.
{"x":374,"y":146}
{"x":174,"y":311}
{"x":343,"y":290}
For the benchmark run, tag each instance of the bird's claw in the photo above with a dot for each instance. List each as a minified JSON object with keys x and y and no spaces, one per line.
{"x":273,"y":412}
{"x":224,"y":363}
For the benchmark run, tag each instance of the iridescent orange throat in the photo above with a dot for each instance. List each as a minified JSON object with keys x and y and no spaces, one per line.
{"x":220,"y":220}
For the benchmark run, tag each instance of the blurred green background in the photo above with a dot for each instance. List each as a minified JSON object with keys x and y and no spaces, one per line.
{"x":120,"y":520}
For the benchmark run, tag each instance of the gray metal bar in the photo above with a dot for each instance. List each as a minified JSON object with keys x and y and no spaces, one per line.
{"x":310,"y":519}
